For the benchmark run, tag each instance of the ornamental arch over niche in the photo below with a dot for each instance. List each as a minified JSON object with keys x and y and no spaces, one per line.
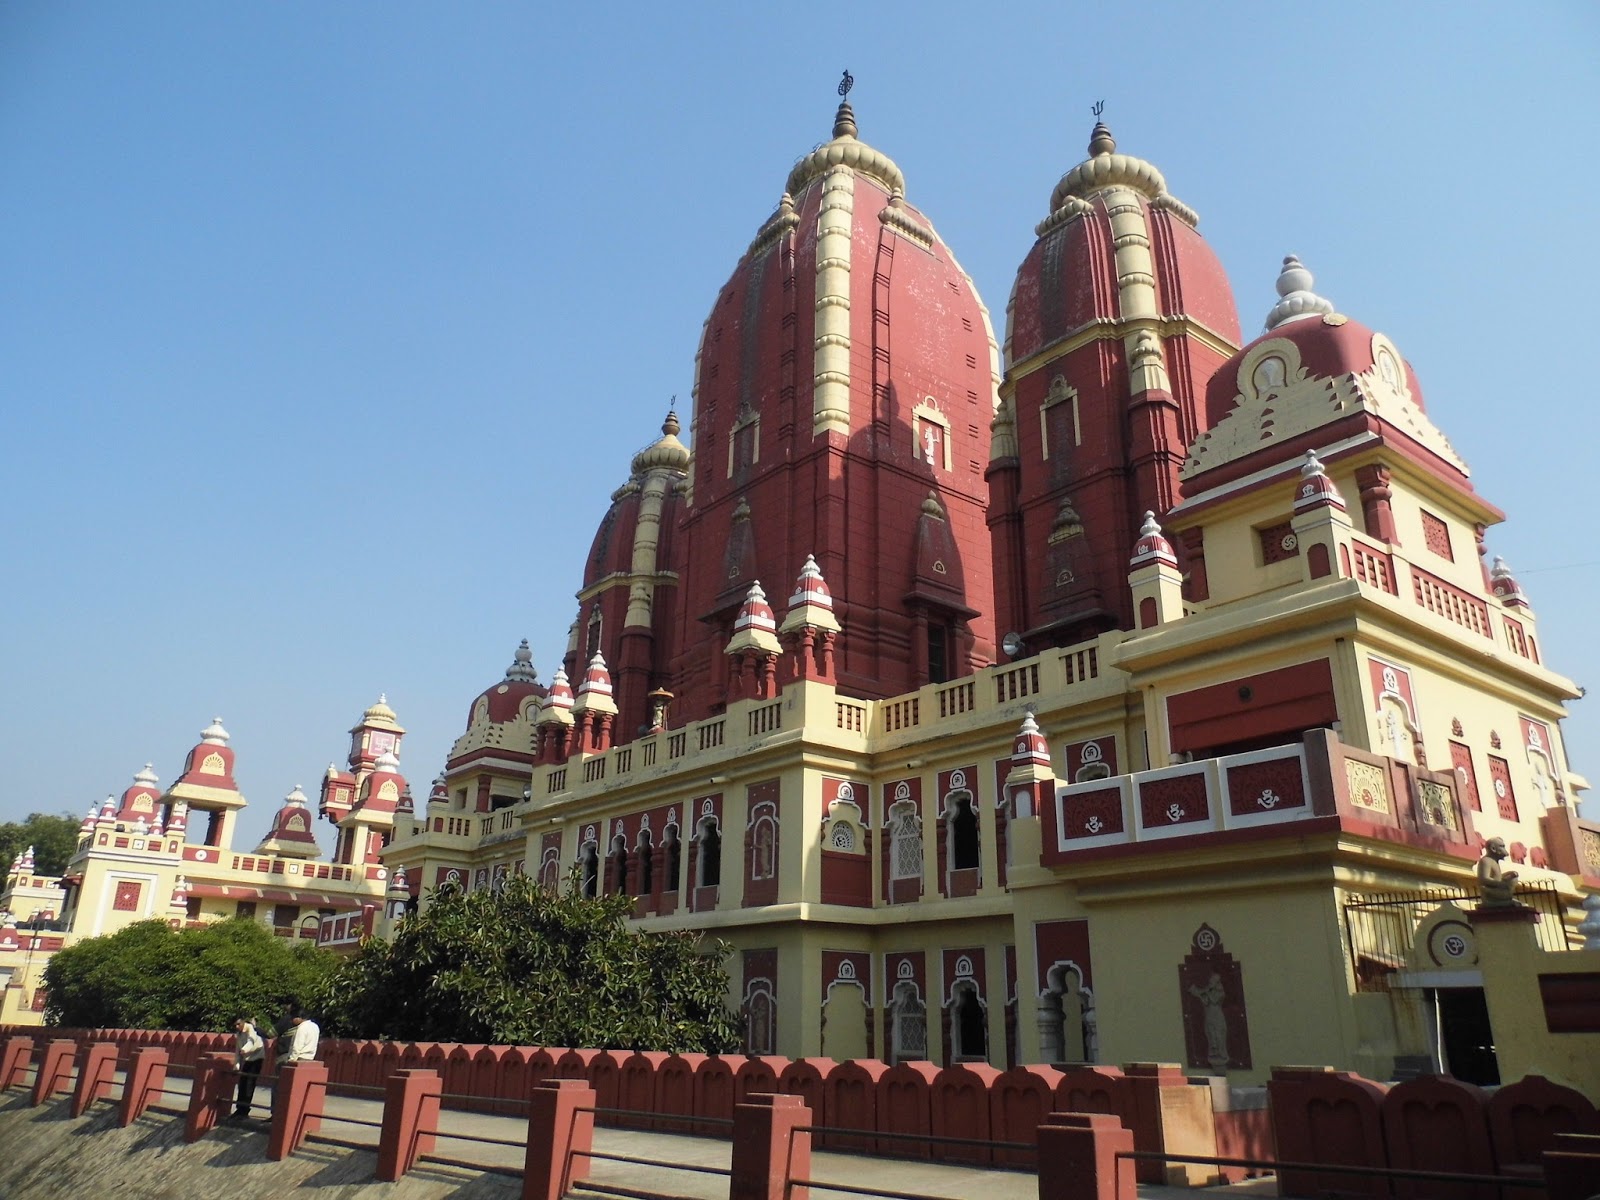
{"x":908,"y":1019}
{"x":844,"y":827}
{"x":1269,"y":370}
{"x":550,"y":869}
{"x":968,"y":1014}
{"x":961,"y":824}
{"x":1068,"y":1025}
{"x":589,"y":863}
{"x":1541,"y":763}
{"x":846,"y":1016}
{"x":930,"y":432}
{"x":1059,"y":413}
{"x":763,"y":829}
{"x":1093,"y":765}
{"x":760,"y":1017}
{"x":1216,"y":1031}
{"x":905,"y":840}
{"x":708,"y":840}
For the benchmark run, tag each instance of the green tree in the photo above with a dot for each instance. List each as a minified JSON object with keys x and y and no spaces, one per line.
{"x":53,"y":840}
{"x":526,"y":967}
{"x":149,"y":976}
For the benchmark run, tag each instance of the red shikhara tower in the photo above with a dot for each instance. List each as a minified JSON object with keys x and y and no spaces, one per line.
{"x":1119,"y":315}
{"x":844,"y":390}
{"x":845,"y":385}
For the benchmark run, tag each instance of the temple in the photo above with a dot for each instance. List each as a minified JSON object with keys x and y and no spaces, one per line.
{"x":1120,"y":690}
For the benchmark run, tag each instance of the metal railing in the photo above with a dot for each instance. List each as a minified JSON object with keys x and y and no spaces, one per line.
{"x":1381,"y":928}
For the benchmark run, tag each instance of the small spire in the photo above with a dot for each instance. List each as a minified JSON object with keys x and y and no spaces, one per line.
{"x":670,"y":426}
{"x":1152,"y":545}
{"x":1296,"y":300}
{"x":844,"y":121}
{"x":1101,"y":141}
{"x":214,"y":733}
{"x":521,"y":668}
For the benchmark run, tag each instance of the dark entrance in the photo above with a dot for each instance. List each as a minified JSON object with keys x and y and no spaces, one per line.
{"x":1468,"y":1040}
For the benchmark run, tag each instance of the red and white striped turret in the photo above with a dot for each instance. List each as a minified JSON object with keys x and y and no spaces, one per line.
{"x":810,"y":628}
{"x":178,"y":906}
{"x":595,"y":690}
{"x":1505,"y":585}
{"x":1316,"y":490}
{"x":594,"y":711}
{"x":1154,"y":581}
{"x":1030,"y":746}
{"x":1031,"y":781}
{"x":754,"y":648}
{"x":142,"y":798}
{"x":1152,"y":545}
{"x":556,"y":721}
{"x":756,"y":627}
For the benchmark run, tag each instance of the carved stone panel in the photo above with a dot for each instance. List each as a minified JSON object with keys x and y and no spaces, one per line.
{"x":1216,"y":1031}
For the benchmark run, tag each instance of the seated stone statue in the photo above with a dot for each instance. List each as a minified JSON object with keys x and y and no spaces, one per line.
{"x":1496,"y":887}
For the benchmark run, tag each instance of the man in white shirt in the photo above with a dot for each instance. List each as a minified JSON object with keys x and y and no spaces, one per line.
{"x":305,"y":1034}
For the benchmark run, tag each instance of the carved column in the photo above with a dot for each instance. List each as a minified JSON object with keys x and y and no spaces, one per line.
{"x":1377,"y":514}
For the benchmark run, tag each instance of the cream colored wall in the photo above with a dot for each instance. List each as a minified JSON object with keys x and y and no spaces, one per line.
{"x":1448,"y":689}
{"x":1293,"y":978}
{"x":1512,"y":962}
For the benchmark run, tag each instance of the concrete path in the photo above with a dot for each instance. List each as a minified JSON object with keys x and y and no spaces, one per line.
{"x":353,"y":1122}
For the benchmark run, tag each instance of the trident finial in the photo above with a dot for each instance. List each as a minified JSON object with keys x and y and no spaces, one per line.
{"x":1097,"y":108}
{"x":848,"y":82}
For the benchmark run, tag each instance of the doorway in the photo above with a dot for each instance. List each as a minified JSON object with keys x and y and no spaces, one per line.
{"x":1466,"y":1040}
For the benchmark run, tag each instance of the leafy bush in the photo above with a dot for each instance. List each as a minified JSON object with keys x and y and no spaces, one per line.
{"x":523,"y":966}
{"x":149,"y":976}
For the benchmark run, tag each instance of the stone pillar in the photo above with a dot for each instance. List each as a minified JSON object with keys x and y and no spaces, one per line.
{"x":297,"y":1101}
{"x":410,"y":1118}
{"x":210,"y":1093}
{"x":1078,"y":1158}
{"x":55,"y":1069}
{"x":97,"y":1063}
{"x":14,"y":1060}
{"x":1378,"y":516}
{"x":769,"y":1149}
{"x":560,"y":1137}
{"x":147,"y":1075}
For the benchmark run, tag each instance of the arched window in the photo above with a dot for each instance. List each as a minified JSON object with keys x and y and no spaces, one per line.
{"x":589,"y":857}
{"x":710,"y":858}
{"x":674,"y":849}
{"x":905,"y":841}
{"x":1066,"y":1016}
{"x":908,"y":1027}
{"x":644,"y":850}
{"x":760,"y":1017}
{"x":592,"y":643}
{"x":764,"y":843}
{"x":969,"y":1023}
{"x":1092,"y":771}
{"x":550,"y":869}
{"x":619,"y":866}
{"x":963,"y":832}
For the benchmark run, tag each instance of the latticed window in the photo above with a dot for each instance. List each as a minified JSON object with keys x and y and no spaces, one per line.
{"x":843,"y":836}
{"x":906,"y":844}
{"x":910,"y":1028}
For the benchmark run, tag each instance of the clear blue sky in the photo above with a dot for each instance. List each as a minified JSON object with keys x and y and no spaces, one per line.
{"x":327,"y":330}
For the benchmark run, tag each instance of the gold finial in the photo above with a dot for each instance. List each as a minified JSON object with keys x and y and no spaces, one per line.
{"x":1100,"y":141}
{"x":844,"y":121}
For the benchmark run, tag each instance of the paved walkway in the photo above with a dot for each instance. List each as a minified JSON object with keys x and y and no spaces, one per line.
{"x":354,"y":1122}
